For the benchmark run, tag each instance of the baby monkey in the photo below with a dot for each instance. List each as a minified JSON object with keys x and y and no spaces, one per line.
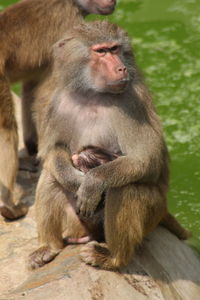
{"x":91,"y":157}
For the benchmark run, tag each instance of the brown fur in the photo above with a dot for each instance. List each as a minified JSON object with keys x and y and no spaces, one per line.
{"x":117,"y":116}
{"x":86,"y":159}
{"x":28,"y":29}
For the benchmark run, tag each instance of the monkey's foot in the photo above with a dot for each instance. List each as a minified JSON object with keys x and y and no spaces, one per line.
{"x":41,"y":256}
{"x":95,"y":255}
{"x":13,"y":213}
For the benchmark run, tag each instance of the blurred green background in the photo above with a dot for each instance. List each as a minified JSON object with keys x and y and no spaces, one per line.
{"x":166,"y":39}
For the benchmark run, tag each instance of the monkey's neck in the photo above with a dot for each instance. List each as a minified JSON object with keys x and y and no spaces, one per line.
{"x":92,"y":98}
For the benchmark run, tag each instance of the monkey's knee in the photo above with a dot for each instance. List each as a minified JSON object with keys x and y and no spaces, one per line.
{"x":42,"y":256}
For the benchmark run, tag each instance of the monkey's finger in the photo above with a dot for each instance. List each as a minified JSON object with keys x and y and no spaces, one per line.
{"x":89,"y":214}
{"x":80,"y":208}
{"x":85,"y":211}
{"x":90,"y":210}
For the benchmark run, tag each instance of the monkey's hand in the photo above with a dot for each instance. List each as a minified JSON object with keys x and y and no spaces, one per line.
{"x":89,"y":195}
{"x":58,"y":163}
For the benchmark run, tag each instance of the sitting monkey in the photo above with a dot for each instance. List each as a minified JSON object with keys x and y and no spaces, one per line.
{"x":99,"y":99}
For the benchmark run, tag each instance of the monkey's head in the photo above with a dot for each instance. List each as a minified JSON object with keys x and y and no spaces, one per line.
{"x":95,"y":57}
{"x":100,"y":7}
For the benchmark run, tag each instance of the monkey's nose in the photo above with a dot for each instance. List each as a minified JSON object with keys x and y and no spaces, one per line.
{"x":122,"y":70}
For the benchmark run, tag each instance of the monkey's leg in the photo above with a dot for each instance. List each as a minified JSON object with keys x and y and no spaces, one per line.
{"x":29,"y":162}
{"x":130,"y":213}
{"x":54,"y":214}
{"x":29,"y":130}
{"x":49,"y":208}
{"x":8,"y":154}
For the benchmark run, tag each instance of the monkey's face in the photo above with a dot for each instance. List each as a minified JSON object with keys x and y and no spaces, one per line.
{"x":95,"y":56}
{"x":102,"y":7}
{"x":107,"y":70}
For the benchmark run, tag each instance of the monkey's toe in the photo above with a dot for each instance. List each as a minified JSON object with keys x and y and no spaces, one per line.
{"x":40,"y":257}
{"x":15,"y":212}
{"x":88,"y":253}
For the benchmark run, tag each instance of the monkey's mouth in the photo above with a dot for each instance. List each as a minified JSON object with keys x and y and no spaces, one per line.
{"x":106,"y":10}
{"x":119,"y":85}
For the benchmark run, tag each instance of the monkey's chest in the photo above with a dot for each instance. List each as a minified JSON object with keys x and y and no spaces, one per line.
{"x":93,"y":129}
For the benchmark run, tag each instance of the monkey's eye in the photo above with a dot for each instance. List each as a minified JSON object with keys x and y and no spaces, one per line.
{"x":114,"y":49}
{"x":101,"y":50}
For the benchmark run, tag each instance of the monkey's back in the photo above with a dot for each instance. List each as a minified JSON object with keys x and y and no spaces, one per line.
{"x":28,"y":29}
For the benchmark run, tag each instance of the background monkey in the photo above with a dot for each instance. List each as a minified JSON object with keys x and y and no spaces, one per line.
{"x":100,"y":100}
{"x":28,"y":29}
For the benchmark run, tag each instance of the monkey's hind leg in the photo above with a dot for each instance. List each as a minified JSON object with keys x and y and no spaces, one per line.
{"x":8,"y":155}
{"x":29,"y":130}
{"x":50,"y":212}
{"x":131,"y":212}
{"x":28,"y":160}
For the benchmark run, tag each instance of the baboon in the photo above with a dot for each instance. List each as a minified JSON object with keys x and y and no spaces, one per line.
{"x":100,"y":100}
{"x":28,"y":29}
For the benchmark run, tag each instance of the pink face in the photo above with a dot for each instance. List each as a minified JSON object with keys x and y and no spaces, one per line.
{"x":101,"y":7}
{"x":108,"y":71}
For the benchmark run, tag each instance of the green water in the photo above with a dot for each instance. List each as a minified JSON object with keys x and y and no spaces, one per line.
{"x":166,"y":39}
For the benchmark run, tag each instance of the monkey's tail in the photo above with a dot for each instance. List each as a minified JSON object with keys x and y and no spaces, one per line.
{"x":173,"y":225}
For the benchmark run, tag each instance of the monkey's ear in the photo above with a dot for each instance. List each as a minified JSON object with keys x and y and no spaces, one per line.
{"x":59,"y":46}
{"x":62,"y":42}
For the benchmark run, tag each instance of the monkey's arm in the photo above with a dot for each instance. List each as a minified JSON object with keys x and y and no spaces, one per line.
{"x":120,"y":172}
{"x":58,"y":163}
